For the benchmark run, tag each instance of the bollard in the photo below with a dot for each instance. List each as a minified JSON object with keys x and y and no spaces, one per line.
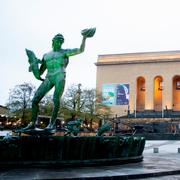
{"x":178,"y":150}
{"x":156,"y":150}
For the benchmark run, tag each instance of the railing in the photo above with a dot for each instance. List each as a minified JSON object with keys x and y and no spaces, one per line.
{"x":154,"y":114}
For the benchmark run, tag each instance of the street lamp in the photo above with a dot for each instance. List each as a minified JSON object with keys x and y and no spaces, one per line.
{"x":78,"y":97}
{"x":162,"y":88}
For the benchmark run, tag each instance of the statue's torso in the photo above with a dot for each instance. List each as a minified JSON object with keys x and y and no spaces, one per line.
{"x":56,"y":62}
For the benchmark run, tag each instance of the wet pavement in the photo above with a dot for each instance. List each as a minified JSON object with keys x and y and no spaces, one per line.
{"x":163,"y":165}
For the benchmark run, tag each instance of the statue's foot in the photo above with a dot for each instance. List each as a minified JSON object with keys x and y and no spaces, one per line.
{"x":29,"y":127}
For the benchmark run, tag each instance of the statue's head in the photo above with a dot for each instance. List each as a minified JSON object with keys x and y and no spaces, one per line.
{"x":57,"y":41}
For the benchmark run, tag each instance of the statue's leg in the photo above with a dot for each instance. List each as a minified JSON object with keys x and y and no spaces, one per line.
{"x":40,"y":93}
{"x":59,"y":88}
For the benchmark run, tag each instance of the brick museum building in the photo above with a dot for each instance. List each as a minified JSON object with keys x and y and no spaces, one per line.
{"x":138,"y":82}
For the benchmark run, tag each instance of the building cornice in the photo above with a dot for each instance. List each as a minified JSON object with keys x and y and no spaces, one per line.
{"x":139,"y":58}
{"x":137,"y":62}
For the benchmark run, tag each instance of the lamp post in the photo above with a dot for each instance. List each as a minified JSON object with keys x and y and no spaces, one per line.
{"x":135,"y":99}
{"x":78,"y":98}
{"x":162,"y":87}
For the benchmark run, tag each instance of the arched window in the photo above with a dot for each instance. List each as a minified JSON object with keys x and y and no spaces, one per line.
{"x":158,"y":91}
{"x":176,"y":93}
{"x":140,"y":97}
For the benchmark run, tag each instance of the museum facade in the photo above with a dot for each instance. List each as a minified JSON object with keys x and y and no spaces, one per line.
{"x":136,"y":82}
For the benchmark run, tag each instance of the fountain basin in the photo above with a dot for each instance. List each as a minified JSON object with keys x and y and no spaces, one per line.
{"x":70,"y":151}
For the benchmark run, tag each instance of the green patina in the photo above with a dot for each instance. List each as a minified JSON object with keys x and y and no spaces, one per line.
{"x":73,"y":127}
{"x":68,"y":150}
{"x":55,"y":63}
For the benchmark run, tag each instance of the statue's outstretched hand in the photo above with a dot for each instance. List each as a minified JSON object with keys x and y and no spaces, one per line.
{"x":87,"y":33}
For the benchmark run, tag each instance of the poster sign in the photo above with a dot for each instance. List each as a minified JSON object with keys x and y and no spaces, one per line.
{"x":122,"y":97}
{"x":108,"y":94}
{"x":115,"y":94}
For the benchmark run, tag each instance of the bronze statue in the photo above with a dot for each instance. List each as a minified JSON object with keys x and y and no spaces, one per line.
{"x":103,"y":129}
{"x":55,"y":62}
{"x":73,"y":127}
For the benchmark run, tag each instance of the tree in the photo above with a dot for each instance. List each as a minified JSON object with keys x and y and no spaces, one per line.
{"x":94,"y":107}
{"x":85,"y":103}
{"x":46,"y":105}
{"x":100,"y":108}
{"x":89,"y":105}
{"x":20,"y":100}
{"x":74,"y":98}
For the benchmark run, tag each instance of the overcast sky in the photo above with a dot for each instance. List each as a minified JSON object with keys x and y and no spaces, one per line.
{"x":123,"y":26}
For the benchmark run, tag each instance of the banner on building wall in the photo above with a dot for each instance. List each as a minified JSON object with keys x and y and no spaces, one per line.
{"x":122,"y":94}
{"x":108,"y":94}
{"x":115,"y":94}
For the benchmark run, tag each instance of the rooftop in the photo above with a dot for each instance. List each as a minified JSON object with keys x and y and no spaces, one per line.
{"x":139,"y":57}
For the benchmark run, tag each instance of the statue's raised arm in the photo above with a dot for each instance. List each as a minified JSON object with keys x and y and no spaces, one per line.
{"x":86,"y":33}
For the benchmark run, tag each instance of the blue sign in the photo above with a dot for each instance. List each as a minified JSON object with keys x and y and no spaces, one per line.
{"x":122,"y":94}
